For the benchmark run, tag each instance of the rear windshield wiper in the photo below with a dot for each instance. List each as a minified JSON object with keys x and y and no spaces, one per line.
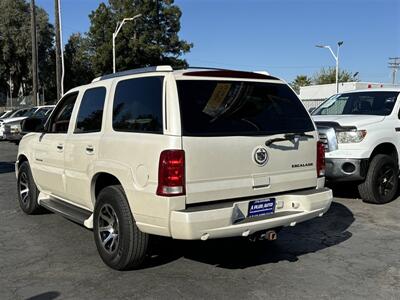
{"x":288,"y":137}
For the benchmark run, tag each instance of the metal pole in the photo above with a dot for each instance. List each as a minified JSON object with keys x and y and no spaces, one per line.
{"x":113,"y":44}
{"x":337,"y":70}
{"x":34,"y":54}
{"x":117,"y":29}
{"x":10,"y":91}
{"x":61,"y":50}
{"x":58,"y":47}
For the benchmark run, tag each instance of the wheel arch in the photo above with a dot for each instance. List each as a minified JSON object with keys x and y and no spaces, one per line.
{"x":101,"y":180}
{"x":21,"y":158}
{"x":385,"y":148}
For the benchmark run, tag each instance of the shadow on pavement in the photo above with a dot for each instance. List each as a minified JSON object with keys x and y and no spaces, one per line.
{"x":239,"y":253}
{"x":6,"y":167}
{"x":45,"y":296}
{"x":344,"y":189}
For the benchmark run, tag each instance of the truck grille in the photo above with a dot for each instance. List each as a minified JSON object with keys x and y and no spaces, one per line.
{"x":327,"y":136}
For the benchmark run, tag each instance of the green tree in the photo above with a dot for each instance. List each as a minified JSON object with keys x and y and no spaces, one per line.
{"x":299,"y":81}
{"x":149,"y":40}
{"x":328,"y":75}
{"x":15,"y":47}
{"x":78,"y":67}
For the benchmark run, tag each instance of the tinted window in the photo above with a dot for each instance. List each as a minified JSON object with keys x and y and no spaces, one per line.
{"x":138,"y":105}
{"x":62,"y":114}
{"x":361,"y":103}
{"x":91,"y":111}
{"x":40,"y":113}
{"x":19,"y":113}
{"x":218,"y":108}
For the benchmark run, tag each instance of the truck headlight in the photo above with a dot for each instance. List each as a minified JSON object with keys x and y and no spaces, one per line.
{"x":345,"y":137}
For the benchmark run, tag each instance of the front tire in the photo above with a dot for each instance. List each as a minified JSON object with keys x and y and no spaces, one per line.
{"x":381,"y":183}
{"x":27,"y":190}
{"x":120,"y":243}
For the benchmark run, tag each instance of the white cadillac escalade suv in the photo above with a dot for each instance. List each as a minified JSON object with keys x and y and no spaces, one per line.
{"x":188,"y":154}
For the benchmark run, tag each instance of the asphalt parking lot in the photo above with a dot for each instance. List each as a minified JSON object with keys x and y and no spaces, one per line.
{"x":353,"y":252}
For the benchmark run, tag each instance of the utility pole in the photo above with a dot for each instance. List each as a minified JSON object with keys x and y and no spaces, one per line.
{"x":34,"y":55}
{"x":394,"y":64}
{"x":58,"y":49}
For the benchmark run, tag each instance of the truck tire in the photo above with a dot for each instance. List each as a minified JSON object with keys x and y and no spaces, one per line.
{"x":120,"y":243}
{"x":27,"y":190}
{"x":380,"y":185}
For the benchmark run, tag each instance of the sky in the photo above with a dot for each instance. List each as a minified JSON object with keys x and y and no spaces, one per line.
{"x":278,"y":36}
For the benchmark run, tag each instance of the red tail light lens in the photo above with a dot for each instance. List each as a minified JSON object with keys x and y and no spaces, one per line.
{"x":171,"y":173}
{"x":320,"y":159}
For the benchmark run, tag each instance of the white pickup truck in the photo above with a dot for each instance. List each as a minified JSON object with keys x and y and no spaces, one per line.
{"x":361,"y":133}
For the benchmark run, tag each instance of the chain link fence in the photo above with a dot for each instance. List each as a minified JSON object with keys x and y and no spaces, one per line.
{"x":16,"y":103}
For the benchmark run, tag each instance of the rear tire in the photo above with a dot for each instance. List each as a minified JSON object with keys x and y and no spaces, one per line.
{"x":120,"y":243}
{"x":27,"y":190}
{"x":381,"y":184}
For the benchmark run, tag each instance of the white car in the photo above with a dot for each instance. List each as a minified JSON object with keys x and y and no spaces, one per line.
{"x":189,"y":154}
{"x":12,"y":127}
{"x":361,"y":132}
{"x":6,"y":113}
{"x":18,"y":114}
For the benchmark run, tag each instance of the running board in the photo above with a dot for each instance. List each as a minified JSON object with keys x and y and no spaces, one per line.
{"x":67,"y":210}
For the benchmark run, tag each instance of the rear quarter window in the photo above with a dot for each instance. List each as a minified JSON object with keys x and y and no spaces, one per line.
{"x":138,"y":105}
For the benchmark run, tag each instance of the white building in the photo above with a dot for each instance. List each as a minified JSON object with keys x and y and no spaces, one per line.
{"x":313,"y":95}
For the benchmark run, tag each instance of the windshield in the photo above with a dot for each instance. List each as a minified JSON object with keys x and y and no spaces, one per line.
{"x":40,"y":113}
{"x":362,"y":103}
{"x":227,"y":108}
{"x":6,"y":114}
{"x":29,"y":112}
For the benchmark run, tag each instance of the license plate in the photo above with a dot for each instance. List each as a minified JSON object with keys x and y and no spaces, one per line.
{"x":261,"y":207}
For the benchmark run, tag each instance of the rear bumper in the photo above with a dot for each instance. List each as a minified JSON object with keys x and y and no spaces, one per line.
{"x":228,"y":219}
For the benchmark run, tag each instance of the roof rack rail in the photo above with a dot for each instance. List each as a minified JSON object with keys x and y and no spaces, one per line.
{"x":135,"y":71}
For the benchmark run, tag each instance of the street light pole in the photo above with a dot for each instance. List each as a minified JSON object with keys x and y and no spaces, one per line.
{"x":336,"y":57}
{"x":117,"y":29}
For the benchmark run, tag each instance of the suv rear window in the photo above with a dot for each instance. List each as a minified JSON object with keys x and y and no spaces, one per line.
{"x":240,"y":108}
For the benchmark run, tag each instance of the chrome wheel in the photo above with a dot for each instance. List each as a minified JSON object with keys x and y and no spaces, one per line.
{"x":24,"y":189}
{"x":108,"y":229}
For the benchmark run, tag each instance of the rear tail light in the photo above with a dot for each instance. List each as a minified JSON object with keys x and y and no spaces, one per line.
{"x":320,"y":159}
{"x":171,"y":173}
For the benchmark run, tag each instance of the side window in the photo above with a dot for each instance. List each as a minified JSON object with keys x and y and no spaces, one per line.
{"x":90,"y":113}
{"x":138,"y":105}
{"x":62,"y":114}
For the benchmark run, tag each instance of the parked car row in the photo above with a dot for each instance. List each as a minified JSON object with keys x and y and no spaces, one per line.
{"x":11,"y":122}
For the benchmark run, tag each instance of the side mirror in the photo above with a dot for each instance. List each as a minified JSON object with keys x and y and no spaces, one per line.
{"x":311,"y":110}
{"x":32,"y":125}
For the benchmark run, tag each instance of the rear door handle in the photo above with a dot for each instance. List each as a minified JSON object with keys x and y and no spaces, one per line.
{"x":60,"y":147}
{"x":89,"y":149}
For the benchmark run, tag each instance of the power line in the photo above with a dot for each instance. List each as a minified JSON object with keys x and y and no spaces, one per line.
{"x":394,"y":64}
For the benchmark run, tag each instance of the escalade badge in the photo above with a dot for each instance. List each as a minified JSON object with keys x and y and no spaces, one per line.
{"x":260,"y":156}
